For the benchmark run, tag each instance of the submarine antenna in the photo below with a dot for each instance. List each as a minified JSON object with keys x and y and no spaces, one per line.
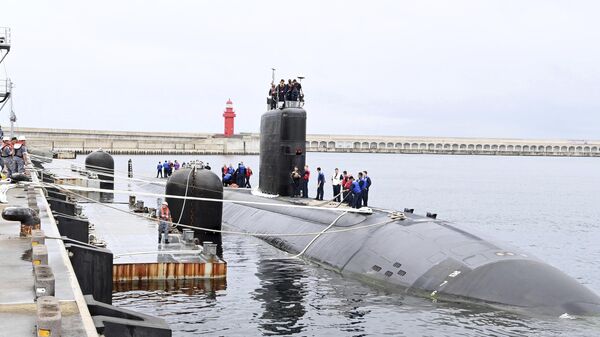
{"x":272,"y":75}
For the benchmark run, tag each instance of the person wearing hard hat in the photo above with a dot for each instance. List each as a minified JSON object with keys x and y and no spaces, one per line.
{"x":20,"y":154}
{"x":164,"y":219}
{"x":6,"y":154}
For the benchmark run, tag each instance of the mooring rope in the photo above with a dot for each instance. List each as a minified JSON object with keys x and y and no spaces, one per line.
{"x":349,"y":229}
{"x":242,"y":202}
{"x":318,"y":235}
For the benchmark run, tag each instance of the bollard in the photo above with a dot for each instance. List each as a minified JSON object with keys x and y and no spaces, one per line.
{"x":188,"y":236}
{"x":210,"y":249}
{"x":131,"y":201}
{"x":28,"y":217}
{"x":78,"y":209}
{"x":48,"y":317}
{"x":39,"y":255}
{"x":44,"y":281}
{"x":37,"y":237}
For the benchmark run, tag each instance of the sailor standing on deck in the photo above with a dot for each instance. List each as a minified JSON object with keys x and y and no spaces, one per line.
{"x":273,"y":97}
{"x":20,"y":154}
{"x":166,"y":169}
{"x":320,"y":184}
{"x":305,"y":179}
{"x":6,"y":153}
{"x":295,"y":175}
{"x":336,"y":181}
{"x":366,"y":187}
{"x":241,"y":175}
{"x":164,"y":219}
{"x":159,"y":169}
{"x":281,"y":91}
{"x":356,"y":191}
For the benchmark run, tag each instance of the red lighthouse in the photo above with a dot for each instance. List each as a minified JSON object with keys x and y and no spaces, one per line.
{"x":229,"y":115}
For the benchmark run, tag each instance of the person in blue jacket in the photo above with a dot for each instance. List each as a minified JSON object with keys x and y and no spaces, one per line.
{"x":366,"y":188}
{"x":166,"y":168}
{"x":227,"y":179}
{"x":241,"y":175}
{"x":320,"y":184}
{"x":159,"y":169}
{"x":356,"y":192}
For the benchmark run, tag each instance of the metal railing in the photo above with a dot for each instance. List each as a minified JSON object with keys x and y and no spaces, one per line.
{"x":274,"y":103}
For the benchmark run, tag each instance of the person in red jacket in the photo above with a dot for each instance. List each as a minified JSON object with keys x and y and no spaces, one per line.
{"x":343,"y":185}
{"x":347,"y":186}
{"x":248,"y":175}
{"x":305,"y":179}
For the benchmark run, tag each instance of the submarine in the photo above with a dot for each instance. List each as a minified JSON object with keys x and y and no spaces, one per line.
{"x":397,"y":250}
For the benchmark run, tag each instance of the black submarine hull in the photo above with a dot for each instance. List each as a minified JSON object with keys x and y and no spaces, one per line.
{"x":417,"y":255}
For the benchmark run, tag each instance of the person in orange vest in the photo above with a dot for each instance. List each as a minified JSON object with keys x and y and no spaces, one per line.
{"x":164,"y":220}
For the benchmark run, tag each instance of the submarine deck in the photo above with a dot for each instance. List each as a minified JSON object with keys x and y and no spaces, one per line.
{"x":137,"y":254}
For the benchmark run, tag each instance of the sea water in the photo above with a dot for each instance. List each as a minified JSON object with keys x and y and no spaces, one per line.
{"x":544,"y":205}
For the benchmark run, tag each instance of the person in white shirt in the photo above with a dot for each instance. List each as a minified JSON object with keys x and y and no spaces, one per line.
{"x":336,"y":181}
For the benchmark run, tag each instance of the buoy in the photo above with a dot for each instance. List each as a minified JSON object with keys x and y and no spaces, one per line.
{"x":200,"y":183}
{"x":103,"y":164}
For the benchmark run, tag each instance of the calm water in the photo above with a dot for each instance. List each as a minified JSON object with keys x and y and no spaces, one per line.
{"x":547,"y":206}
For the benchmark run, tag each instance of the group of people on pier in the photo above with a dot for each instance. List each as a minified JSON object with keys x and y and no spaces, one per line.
{"x":13,"y":154}
{"x":346,"y":188}
{"x":238,"y":177}
{"x":285,"y":94}
{"x":165,"y":169}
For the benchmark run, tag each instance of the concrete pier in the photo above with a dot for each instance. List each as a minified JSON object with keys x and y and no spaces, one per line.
{"x":19,"y":286}
{"x":126,"y":142}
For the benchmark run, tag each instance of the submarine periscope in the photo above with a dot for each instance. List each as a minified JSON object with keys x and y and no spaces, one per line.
{"x":400,"y":251}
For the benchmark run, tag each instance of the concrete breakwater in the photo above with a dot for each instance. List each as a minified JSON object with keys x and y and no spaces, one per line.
{"x":127,"y":142}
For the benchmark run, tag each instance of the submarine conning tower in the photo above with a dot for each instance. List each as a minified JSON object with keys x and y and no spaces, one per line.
{"x":282,"y":146}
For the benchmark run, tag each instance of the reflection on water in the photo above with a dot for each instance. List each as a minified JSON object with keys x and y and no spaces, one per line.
{"x":282,"y":293}
{"x":208,"y":286}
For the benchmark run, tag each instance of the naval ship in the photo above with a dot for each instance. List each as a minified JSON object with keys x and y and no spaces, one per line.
{"x":393,"y":249}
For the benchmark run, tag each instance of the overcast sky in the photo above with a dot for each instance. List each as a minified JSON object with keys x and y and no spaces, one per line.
{"x":432,"y":68}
